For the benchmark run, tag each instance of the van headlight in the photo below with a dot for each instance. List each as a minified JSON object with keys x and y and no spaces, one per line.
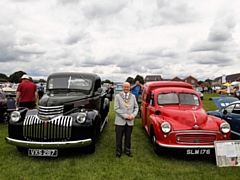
{"x":225,"y":127}
{"x":15,"y":116}
{"x":166,"y":127}
{"x":81,"y":117}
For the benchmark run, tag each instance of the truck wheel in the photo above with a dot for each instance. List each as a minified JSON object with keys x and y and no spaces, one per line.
{"x":156,"y":148}
{"x":91,"y":148}
{"x":5,"y":117}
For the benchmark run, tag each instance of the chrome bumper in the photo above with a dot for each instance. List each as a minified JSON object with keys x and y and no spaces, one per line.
{"x":185,"y":146}
{"x":48,"y":145}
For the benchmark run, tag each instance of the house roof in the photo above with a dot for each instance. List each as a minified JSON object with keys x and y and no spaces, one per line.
{"x":153,"y":77}
{"x":189,"y":77}
{"x":233,"y":77}
{"x":217,"y":78}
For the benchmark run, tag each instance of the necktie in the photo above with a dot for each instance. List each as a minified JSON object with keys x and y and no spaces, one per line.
{"x":126,"y":96}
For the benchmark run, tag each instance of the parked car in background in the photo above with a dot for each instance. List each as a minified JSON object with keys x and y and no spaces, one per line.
{"x":223,"y":90}
{"x":174,"y":117}
{"x":3,"y":108}
{"x":9,"y":90}
{"x":215,"y":88}
{"x":105,"y":86}
{"x":71,"y":114}
{"x":199,"y":92}
{"x":7,"y":105}
{"x":118,"y":88}
{"x":229,"y":110}
{"x":15,"y":86}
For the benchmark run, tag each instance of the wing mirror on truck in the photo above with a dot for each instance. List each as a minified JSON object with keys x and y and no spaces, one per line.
{"x":158,"y":112}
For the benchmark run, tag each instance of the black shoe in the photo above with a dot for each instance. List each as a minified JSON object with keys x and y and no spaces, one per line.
{"x":129,"y":154}
{"x":118,"y":155}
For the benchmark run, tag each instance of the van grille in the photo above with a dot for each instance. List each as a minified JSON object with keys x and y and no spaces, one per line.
{"x":196,"y":138}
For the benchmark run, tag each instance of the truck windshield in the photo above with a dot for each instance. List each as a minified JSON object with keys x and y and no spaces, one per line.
{"x":70,"y":82}
{"x":181,"y":98}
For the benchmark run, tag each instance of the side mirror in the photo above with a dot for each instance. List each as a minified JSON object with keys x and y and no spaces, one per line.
{"x":225,"y":112}
{"x":158,"y":112}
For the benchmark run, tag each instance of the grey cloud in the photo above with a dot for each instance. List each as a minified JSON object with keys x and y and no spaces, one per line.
{"x":98,"y":9}
{"x":218,"y":59}
{"x":205,"y":46}
{"x":172,"y":12}
{"x":64,"y":2}
{"x":220,"y":36}
{"x":158,"y":52}
{"x":222,"y":27}
{"x":29,"y":49}
{"x":75,"y":36}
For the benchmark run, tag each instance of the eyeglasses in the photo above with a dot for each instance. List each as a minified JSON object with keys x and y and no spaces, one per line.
{"x":126,"y":86}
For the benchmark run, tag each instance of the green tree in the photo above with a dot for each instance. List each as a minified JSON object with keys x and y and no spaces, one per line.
{"x":200,"y":82}
{"x":139,"y":78}
{"x":130,"y":80}
{"x":3,"y":78}
{"x":42,"y":80}
{"x":16,"y":76}
{"x":106,"y":81}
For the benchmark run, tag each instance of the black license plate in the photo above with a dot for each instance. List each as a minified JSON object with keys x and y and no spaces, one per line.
{"x":43,"y":152}
{"x":198,"y":151}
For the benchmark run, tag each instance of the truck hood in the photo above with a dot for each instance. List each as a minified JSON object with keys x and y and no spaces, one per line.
{"x":189,"y":119}
{"x":61,"y":99}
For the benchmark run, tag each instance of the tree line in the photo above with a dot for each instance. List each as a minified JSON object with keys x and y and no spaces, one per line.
{"x":15,"y":77}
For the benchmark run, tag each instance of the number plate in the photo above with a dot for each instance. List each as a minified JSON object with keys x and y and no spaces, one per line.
{"x":43,"y":152}
{"x":198,"y":151}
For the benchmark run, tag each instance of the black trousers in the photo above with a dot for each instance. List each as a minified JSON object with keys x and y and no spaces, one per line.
{"x":125,"y":131}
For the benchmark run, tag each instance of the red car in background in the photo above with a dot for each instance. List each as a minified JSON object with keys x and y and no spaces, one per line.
{"x":174,"y":117}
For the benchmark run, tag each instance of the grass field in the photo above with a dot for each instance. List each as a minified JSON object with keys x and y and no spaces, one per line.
{"x":74,"y":164}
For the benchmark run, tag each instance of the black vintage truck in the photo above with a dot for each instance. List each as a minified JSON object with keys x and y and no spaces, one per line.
{"x":71,"y":114}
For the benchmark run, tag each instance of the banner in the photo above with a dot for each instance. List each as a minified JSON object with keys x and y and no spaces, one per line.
{"x":227,"y":153}
{"x":223,"y":78}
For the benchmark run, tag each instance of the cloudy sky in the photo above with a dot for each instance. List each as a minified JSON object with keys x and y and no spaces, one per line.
{"x":118,"y":39}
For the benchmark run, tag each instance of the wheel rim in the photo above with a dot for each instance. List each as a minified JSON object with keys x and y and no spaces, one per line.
{"x":154,"y":142}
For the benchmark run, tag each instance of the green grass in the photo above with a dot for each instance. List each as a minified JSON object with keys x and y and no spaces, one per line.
{"x":74,"y":164}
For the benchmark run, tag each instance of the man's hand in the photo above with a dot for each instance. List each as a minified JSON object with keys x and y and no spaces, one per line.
{"x":16,"y":104}
{"x":129,"y":117}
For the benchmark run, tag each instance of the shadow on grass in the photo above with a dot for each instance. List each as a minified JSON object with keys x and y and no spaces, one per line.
{"x":181,"y":155}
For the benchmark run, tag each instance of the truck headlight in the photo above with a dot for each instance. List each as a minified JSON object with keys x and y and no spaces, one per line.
{"x":81,"y":117}
{"x":225,"y":127}
{"x":15,"y":116}
{"x":166,"y":127}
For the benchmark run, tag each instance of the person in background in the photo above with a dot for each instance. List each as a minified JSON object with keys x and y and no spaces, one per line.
{"x":26,"y":93}
{"x":40,"y":91}
{"x":126,"y":109}
{"x":136,"y":89}
{"x":111,"y":91}
{"x":236,"y":92}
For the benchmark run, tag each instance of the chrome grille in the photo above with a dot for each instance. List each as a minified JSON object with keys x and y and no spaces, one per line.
{"x":196,"y":138}
{"x":50,"y":111}
{"x":57,"y":129}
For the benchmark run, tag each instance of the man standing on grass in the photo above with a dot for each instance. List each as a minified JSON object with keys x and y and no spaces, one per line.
{"x":26,"y":93}
{"x":126,"y":109}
